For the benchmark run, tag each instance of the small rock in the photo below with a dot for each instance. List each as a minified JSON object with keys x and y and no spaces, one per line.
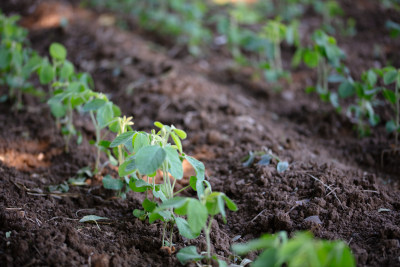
{"x":313,"y":219}
{"x":100,"y":260}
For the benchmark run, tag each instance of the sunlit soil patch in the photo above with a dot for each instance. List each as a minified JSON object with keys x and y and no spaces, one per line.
{"x":30,"y":156}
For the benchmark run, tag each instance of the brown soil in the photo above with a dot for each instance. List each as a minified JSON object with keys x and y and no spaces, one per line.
{"x":332,"y":174}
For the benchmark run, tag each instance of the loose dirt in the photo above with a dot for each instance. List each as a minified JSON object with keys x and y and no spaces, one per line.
{"x":332,"y":174}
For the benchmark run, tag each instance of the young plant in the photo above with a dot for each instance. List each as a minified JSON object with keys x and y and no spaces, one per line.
{"x":17,"y":62}
{"x":68,"y":90}
{"x":362,"y":113}
{"x":149,"y":155}
{"x":200,"y":214}
{"x":275,"y":32}
{"x":301,"y":250}
{"x":326,"y":56}
{"x":103,"y":114}
{"x":392,"y":76}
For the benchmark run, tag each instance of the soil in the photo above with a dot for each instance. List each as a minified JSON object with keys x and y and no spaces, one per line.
{"x":349,"y":183}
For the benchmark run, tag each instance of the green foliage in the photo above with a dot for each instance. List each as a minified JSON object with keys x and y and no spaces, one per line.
{"x":17,"y":61}
{"x":301,"y":250}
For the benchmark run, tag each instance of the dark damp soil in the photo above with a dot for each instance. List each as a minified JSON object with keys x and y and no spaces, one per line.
{"x":352,"y":185}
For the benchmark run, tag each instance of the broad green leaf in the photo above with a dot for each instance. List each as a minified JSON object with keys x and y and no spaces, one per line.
{"x":173,"y":203}
{"x":58,"y":51}
{"x":148,"y":205}
{"x":311,"y":58}
{"x":346,"y":89}
{"x":197,"y":215}
{"x":372,"y":77}
{"x":184,"y":228}
{"x":126,"y":168}
{"x":390,"y":96}
{"x":113,"y":184}
{"x":175,"y":163}
{"x":57,"y":108}
{"x":122,"y":139}
{"x":149,"y":159}
{"x":141,"y":140}
{"x":104,"y":115}
{"x":390,"y":77}
{"x":391,"y":126}
{"x":94,"y":104}
{"x":198,"y":167}
{"x":192,"y":182}
{"x":139,"y":185}
{"x":188,"y":254}
{"x":66,"y":70}
{"x":46,"y":74}
{"x":92,"y":218}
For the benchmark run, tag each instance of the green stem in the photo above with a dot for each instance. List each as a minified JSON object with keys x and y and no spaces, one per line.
{"x":207,"y":231}
{"x":183,"y":189}
{"x":98,"y":137}
{"x":163,"y":234}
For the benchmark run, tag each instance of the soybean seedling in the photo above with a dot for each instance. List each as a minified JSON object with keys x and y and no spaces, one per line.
{"x":17,"y":62}
{"x":301,"y":250}
{"x":200,"y":215}
{"x":275,"y":32}
{"x":326,"y":56}
{"x":148,"y":155}
{"x":392,"y":76}
{"x":103,"y":114}
{"x":362,"y":114}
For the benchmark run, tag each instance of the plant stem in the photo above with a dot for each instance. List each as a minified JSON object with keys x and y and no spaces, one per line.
{"x":97,"y":164}
{"x":207,"y":231}
{"x":163,"y":234}
{"x":397,"y":111}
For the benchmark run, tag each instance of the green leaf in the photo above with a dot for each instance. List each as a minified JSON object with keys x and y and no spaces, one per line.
{"x":390,"y":76}
{"x":346,"y":89}
{"x":197,"y":215}
{"x":198,"y":167}
{"x":175,"y":163}
{"x":141,"y":140}
{"x":390,"y":96}
{"x":177,"y":141}
{"x":139,"y":186}
{"x":182,"y":134}
{"x":158,"y":124}
{"x":282,"y":166}
{"x":391,"y":126}
{"x":92,"y":218}
{"x":94,"y":104}
{"x":148,"y":205}
{"x":149,"y":159}
{"x":311,"y":58}
{"x":173,"y":203}
{"x":66,"y":70}
{"x":188,"y":254}
{"x":184,"y":228}
{"x":57,"y":108}
{"x":229,"y":203}
{"x":58,"y":51}
{"x":126,"y":168}
{"x":46,"y":74}
{"x":192,"y":182}
{"x":104,"y":115}
{"x":139,"y":213}
{"x":122,"y":139}
{"x":111,"y":183}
